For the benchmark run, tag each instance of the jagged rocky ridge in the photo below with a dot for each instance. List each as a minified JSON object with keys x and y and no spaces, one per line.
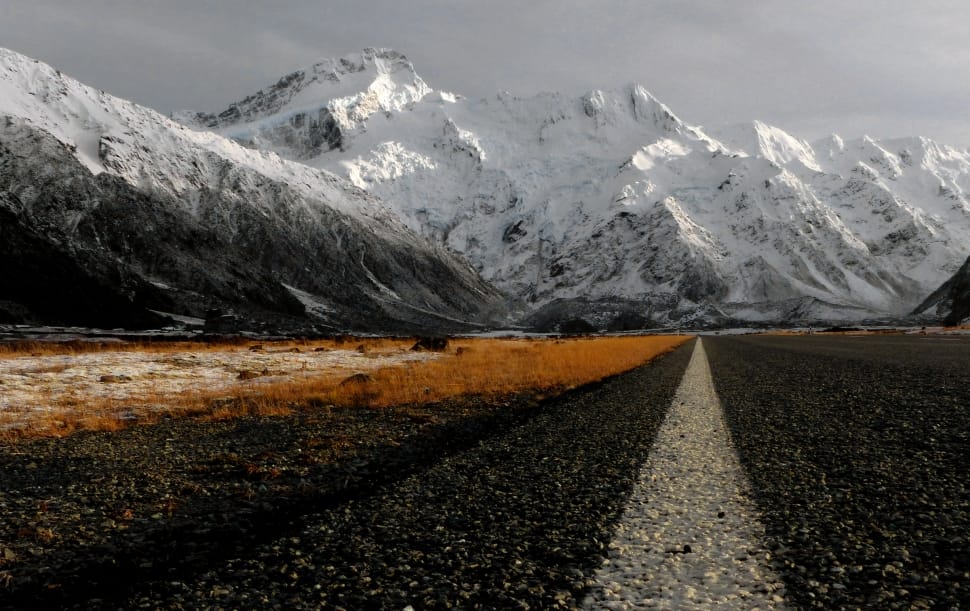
{"x":111,"y":214}
{"x":610,"y":208}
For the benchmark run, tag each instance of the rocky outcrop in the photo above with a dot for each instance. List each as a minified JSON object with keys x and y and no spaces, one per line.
{"x":950,"y":302}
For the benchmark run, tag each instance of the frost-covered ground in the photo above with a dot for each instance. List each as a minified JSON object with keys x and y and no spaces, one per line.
{"x":32,"y":386}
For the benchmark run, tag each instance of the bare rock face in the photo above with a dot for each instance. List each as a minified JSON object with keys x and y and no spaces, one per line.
{"x":950,"y":302}
{"x":45,"y":282}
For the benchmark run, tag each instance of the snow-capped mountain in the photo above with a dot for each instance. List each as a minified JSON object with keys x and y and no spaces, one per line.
{"x":607,"y":205}
{"x":299,"y":126}
{"x":111,"y":212}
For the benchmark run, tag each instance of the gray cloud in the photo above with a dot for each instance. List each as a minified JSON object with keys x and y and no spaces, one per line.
{"x":884,"y":67}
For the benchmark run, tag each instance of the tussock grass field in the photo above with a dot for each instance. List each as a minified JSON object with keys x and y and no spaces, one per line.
{"x":72,"y":392}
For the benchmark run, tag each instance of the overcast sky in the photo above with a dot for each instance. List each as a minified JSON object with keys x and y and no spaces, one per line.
{"x":882,"y":67}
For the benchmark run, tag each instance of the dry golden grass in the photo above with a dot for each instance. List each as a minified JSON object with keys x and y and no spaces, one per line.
{"x":490,"y":368}
{"x":487,"y":368}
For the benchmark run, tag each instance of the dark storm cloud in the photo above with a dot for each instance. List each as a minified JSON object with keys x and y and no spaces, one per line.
{"x":884,"y":67}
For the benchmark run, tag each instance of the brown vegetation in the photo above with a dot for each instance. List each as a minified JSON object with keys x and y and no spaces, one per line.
{"x":484,"y":368}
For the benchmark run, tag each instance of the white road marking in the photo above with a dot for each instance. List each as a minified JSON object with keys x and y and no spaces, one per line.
{"x":691,"y":492}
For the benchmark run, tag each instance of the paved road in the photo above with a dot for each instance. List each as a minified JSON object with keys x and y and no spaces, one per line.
{"x":858,"y":451}
{"x":690,"y":537}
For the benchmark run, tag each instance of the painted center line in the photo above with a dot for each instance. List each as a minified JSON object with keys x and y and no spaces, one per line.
{"x":689,"y":537}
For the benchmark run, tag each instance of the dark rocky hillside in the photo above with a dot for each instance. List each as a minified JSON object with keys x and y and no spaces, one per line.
{"x":81,"y":249}
{"x":952,"y":300}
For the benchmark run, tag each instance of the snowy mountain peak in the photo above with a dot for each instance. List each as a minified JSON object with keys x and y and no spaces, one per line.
{"x":592,"y":205}
{"x":146,"y":149}
{"x":381,"y":61}
{"x":829,"y":147}
{"x":323,"y":105}
{"x":649,"y":109}
{"x":384,"y":72}
{"x":927,"y":153}
{"x":11,"y":61}
{"x":759,"y":139}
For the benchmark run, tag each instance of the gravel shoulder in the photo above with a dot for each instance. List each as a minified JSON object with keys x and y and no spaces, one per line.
{"x":466,"y":504}
{"x":857,"y":450}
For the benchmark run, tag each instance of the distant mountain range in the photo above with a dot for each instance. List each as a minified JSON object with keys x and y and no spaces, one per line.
{"x":352,"y":194}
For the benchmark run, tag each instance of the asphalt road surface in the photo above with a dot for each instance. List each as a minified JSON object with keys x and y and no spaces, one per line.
{"x":858,"y":454}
